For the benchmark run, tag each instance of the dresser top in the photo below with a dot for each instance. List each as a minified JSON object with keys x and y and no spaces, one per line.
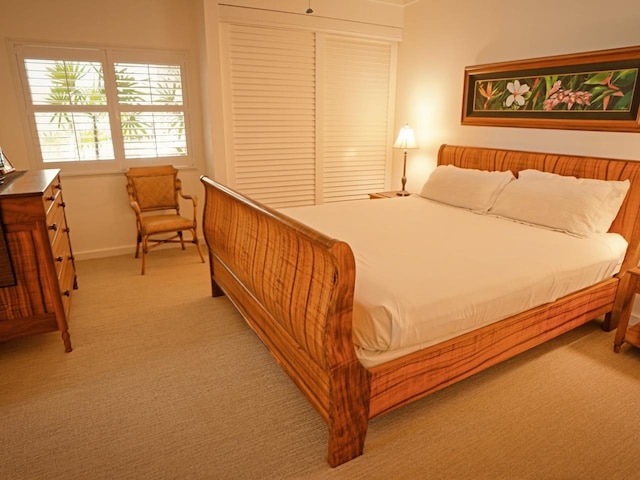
{"x":30,"y":182}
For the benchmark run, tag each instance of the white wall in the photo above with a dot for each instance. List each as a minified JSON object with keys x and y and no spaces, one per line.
{"x":439,"y":41}
{"x":99,"y":215}
{"x":98,"y":212}
{"x":374,"y":12}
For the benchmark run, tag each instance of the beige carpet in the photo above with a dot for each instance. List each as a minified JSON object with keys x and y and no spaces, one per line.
{"x":166,"y":382}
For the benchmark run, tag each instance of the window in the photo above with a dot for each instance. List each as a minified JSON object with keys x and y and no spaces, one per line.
{"x":101,"y":109}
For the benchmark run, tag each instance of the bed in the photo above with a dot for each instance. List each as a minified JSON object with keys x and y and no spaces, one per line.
{"x":295,"y":287}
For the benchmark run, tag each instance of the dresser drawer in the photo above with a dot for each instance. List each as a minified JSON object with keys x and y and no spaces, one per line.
{"x":51,"y":195}
{"x":56,"y":218}
{"x":67,"y":281}
{"x":61,"y":250}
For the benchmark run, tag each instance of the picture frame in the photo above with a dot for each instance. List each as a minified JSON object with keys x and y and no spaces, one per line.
{"x":5,"y":164}
{"x":597,"y":90}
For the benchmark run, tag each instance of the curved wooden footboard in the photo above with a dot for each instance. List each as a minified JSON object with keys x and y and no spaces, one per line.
{"x":294,"y":286}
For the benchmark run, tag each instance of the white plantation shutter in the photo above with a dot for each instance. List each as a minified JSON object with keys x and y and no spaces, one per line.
{"x":151,"y":109}
{"x":273,"y":109}
{"x":97,"y":109}
{"x":309,"y":114}
{"x":355,"y":120}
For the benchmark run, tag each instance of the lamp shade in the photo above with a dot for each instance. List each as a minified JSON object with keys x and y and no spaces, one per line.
{"x":406,"y":139}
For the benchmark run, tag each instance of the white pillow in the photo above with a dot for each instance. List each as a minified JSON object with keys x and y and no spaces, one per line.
{"x":578,"y":206}
{"x":465,"y":187}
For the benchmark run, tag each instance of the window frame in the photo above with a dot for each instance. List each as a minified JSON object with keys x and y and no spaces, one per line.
{"x":108,"y":57}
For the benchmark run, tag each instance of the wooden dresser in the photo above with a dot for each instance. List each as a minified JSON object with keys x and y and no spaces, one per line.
{"x":32,"y":214}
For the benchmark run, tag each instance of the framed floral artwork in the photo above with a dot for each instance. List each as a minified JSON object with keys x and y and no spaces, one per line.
{"x":583,"y":91}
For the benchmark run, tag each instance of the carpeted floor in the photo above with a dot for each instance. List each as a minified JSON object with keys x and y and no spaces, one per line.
{"x":166,"y":382}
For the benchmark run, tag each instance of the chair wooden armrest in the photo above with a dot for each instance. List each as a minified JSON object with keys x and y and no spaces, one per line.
{"x":192,"y":197}
{"x":136,"y":208}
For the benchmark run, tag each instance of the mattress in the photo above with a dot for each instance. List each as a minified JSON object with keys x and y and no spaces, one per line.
{"x":427,"y":272}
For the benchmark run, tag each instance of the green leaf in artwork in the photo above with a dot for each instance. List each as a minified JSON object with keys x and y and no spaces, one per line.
{"x":599,"y":78}
{"x":624,"y":102}
{"x":625,"y":78}
{"x":598,"y":94}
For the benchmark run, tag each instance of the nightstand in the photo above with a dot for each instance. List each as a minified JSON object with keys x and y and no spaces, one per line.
{"x":624,"y":333}
{"x":391,"y":194}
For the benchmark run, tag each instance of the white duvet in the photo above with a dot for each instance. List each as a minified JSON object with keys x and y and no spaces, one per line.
{"x":426,"y":272}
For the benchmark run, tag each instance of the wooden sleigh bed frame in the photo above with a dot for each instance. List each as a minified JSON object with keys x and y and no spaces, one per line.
{"x":294,"y":286}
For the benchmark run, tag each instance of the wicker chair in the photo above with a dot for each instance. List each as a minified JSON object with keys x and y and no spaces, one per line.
{"x":153,"y":193}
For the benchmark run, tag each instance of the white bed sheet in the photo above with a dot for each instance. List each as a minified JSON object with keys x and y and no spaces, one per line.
{"x":427,"y":272}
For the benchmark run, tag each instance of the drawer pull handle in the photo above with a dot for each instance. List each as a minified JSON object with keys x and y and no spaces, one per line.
{"x":59,"y":186}
{"x":59,"y":258}
{"x":67,"y":230}
{"x":51,"y":198}
{"x":66,"y":293}
{"x":62,"y":204}
{"x":53,"y":227}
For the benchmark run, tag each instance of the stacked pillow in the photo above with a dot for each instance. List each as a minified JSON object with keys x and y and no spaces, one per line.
{"x":577,"y":206}
{"x":476,"y":190}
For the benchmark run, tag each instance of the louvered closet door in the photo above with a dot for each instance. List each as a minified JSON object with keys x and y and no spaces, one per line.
{"x":355,"y":123}
{"x":272,"y":76}
{"x":309,"y":114}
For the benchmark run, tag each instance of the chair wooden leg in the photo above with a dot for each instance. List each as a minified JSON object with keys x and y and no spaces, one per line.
{"x":144,"y":258}
{"x":144,"y":254}
{"x":197,"y":243}
{"x":181,"y":239}
{"x":200,"y":252}
{"x":138,"y":240}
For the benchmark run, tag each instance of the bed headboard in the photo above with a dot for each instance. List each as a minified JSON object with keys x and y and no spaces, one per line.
{"x":627,"y":223}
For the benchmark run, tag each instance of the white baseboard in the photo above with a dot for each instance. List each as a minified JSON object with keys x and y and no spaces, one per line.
{"x":123,"y":250}
{"x":107,"y":252}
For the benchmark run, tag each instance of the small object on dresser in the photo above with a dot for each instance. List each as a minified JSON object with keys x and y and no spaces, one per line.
{"x":5,"y":165}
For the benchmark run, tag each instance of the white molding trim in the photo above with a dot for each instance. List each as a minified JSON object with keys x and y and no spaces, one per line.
{"x":281,"y":18}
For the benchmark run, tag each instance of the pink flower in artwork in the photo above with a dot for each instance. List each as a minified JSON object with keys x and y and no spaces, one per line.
{"x":555,"y":88}
{"x":549,"y":103}
{"x":568,"y":97}
{"x":580,"y":98}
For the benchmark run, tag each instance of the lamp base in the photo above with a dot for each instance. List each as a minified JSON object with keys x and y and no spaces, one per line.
{"x":403,"y":193}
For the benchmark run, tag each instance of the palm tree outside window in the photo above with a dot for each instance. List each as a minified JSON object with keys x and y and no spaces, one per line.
{"x":100,"y":111}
